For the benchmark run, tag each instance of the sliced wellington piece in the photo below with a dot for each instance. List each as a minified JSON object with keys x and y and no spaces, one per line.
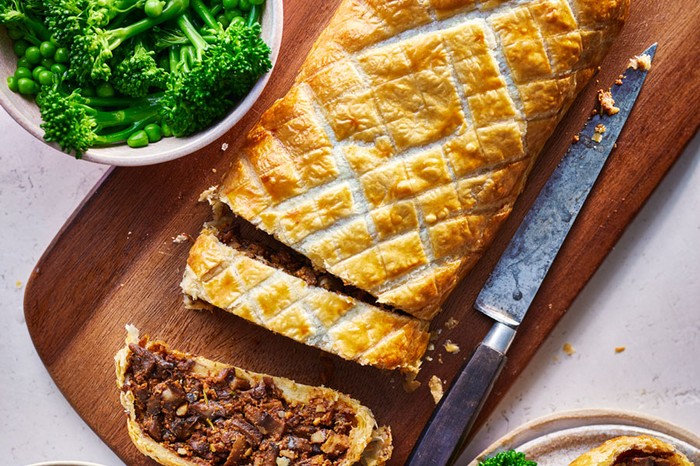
{"x":409,"y":132}
{"x":249,"y":287}
{"x":185,"y":410}
{"x":642,"y":450}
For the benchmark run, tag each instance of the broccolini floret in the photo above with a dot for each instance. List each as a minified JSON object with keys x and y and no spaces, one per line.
{"x":208,"y":80}
{"x":508,"y":458}
{"x":92,"y":48}
{"x":138,"y":73}
{"x":76,"y":123}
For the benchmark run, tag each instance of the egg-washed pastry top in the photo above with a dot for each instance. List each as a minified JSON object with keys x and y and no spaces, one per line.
{"x":409,"y":132}
{"x":185,"y":410}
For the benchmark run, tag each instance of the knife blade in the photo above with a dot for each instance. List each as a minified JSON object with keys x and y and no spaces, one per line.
{"x":514,"y":282}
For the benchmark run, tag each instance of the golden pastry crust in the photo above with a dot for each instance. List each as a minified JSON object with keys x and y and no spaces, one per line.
{"x":369,"y":445}
{"x":402,"y":114}
{"x":352,"y":329}
{"x":614,"y":450}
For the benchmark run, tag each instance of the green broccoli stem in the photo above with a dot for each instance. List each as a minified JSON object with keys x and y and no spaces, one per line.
{"x":174,"y":8}
{"x":122,"y":101}
{"x":254,"y":15}
{"x":121,"y":136}
{"x":203,"y":12}
{"x":33,"y":26}
{"x":183,"y":21}
{"x":125,"y":116}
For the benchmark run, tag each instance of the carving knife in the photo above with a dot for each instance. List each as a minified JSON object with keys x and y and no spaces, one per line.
{"x":514,"y":282}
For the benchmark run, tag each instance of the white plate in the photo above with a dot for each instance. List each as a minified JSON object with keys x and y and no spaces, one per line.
{"x":559,"y":439}
{"x":26,"y":112}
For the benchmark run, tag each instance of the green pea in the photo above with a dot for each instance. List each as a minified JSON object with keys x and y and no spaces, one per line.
{"x":36,"y":71}
{"x":47,"y":49}
{"x":33,"y":55}
{"x":45,"y":78}
{"x":61,"y":55}
{"x":244,"y":5}
{"x":230,"y":4}
{"x":15,"y":33}
{"x":233,"y":14}
{"x":104,"y":90}
{"x":257,"y":2}
{"x":138,"y":139}
{"x":23,"y":72}
{"x":154,"y":8}
{"x":20,"y":47}
{"x":167,"y":132}
{"x":27,"y":87}
{"x":223,"y":20}
{"x":24,"y":63}
{"x":154,"y":132}
{"x":58,"y":69}
{"x":47,"y":62}
{"x":12,"y":84}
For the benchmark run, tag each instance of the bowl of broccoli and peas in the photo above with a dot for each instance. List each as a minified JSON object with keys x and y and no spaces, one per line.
{"x":134,"y":82}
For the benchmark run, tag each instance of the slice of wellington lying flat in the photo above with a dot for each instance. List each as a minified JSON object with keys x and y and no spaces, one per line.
{"x":410,"y":131}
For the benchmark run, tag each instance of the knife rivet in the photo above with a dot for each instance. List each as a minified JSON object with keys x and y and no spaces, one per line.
{"x":517,"y":295}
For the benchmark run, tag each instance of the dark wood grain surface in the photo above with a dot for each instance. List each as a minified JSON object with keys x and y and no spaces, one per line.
{"x":115,"y":262}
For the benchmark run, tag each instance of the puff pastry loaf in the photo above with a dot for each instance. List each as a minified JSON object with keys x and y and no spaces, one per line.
{"x":409,"y":132}
{"x":247,"y":287}
{"x":633,"y":451}
{"x":185,"y":410}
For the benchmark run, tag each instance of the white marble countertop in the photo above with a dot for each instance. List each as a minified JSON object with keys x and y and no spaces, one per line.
{"x":645,"y":297}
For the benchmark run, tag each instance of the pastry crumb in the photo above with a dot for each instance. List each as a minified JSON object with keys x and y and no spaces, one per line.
{"x":569,"y":349}
{"x":410,"y":384}
{"x":600,"y":129}
{"x":224,"y":146}
{"x":213,"y":170}
{"x":435,"y":385}
{"x":619,"y":79}
{"x":208,"y":194}
{"x":640,"y":62}
{"x":607,"y":103}
{"x":181,"y":238}
{"x":451,"y":347}
{"x":576,"y":138}
{"x":431,"y":347}
{"x":18,"y":284}
{"x":619,"y":349}
{"x":451,"y":323}
{"x":428,"y":358}
{"x":435,"y":334}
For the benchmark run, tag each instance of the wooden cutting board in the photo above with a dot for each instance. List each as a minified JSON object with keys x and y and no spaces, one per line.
{"x":115,"y":262}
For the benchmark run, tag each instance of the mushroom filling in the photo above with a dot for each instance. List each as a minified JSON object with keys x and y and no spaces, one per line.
{"x":639,"y":458}
{"x":245,"y":238}
{"x":227,"y":420}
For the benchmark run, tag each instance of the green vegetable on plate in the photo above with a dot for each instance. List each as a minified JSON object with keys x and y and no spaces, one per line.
{"x":508,"y":458}
{"x":131,"y":72}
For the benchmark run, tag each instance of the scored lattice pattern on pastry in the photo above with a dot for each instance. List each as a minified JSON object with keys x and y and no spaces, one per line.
{"x":283,"y":303}
{"x":409,"y":133}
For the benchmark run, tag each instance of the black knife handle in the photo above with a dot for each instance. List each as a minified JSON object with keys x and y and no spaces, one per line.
{"x":439,"y":443}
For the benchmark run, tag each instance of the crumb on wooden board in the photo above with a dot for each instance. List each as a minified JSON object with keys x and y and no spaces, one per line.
{"x":436,"y":390}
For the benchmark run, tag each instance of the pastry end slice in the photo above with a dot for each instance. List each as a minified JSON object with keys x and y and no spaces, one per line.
{"x":185,"y":410}
{"x":643,"y":450}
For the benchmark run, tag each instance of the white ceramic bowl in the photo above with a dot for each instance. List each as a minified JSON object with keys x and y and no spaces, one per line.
{"x":26,"y":112}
